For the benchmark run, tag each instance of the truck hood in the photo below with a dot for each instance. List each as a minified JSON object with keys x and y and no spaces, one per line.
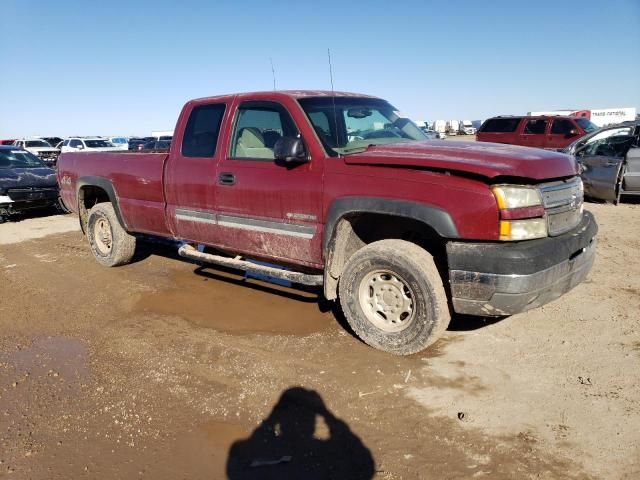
{"x":27,"y":177}
{"x":489,"y":160}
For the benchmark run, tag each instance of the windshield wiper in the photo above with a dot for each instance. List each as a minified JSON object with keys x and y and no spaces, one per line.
{"x":362,"y":149}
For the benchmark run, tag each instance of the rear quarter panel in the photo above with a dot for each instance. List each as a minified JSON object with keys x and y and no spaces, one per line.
{"x":136,"y":179}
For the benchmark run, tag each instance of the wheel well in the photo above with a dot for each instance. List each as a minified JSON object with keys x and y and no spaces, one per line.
{"x":357,"y":230}
{"x":88,"y":196}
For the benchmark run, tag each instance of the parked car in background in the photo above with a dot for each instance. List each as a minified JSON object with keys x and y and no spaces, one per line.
{"x":466,"y":128}
{"x":41,"y":148}
{"x":53,"y":141}
{"x":7,"y":142}
{"x":609,"y":161}
{"x":541,"y":131}
{"x":431,"y":134}
{"x":121,"y":142}
{"x":137,"y":143}
{"x":92,"y":144}
{"x":156,"y":145}
{"x":25,"y":182}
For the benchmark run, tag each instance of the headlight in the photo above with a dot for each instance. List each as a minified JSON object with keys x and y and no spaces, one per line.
{"x":516,"y":197}
{"x":521,"y":212}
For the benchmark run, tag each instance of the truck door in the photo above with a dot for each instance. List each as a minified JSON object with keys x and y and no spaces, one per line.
{"x":560,"y":134}
{"x":190,"y":174}
{"x":266,"y":208}
{"x":533,"y":133}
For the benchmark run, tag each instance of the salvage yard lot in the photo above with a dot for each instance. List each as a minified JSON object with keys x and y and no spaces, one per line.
{"x":156,"y":369}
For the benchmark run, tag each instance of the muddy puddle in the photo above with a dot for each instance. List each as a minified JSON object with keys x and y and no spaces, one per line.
{"x":50,"y":357}
{"x":228,"y":302}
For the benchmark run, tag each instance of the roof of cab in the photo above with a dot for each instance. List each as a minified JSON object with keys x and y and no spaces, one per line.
{"x":282,"y":94}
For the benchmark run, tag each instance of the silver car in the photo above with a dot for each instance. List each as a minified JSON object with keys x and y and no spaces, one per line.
{"x":609,"y":160}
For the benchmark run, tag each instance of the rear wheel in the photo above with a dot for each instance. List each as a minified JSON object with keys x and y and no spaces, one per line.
{"x":110,"y":243}
{"x":393,"y":297}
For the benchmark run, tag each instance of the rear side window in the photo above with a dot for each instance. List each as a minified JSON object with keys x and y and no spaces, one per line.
{"x":203,"y":127}
{"x":500,"y":125}
{"x":535,"y":126}
{"x":561,"y":126}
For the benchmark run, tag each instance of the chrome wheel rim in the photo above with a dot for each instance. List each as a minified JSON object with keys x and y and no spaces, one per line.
{"x":387,"y":300}
{"x":103,"y":237}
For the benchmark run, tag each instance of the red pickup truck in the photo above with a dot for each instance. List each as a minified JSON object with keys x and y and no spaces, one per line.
{"x":341,"y":191}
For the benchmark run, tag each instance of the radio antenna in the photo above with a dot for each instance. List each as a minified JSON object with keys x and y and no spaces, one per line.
{"x":333,"y":97}
{"x":273,"y":73}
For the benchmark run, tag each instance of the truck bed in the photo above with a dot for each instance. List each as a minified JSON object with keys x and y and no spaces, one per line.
{"x":137,"y":183}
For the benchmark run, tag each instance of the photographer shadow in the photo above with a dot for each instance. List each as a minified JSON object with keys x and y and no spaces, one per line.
{"x":300,"y":438}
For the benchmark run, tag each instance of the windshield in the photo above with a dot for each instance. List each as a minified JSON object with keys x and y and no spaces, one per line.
{"x":587,"y":125}
{"x":357,"y":123}
{"x":19,"y":159}
{"x":98,"y":143}
{"x":36,"y":143}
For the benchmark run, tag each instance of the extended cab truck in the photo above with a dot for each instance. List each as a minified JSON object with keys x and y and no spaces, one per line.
{"x":349,"y":195}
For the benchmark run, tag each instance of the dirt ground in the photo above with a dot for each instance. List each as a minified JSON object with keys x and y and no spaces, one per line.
{"x":165,"y":370}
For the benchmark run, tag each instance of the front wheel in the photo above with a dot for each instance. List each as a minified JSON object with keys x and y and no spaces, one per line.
{"x":393,"y":298}
{"x":110,"y":243}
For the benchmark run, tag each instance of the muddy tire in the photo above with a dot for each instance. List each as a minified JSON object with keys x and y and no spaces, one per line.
{"x":110,"y":243}
{"x":393,"y":298}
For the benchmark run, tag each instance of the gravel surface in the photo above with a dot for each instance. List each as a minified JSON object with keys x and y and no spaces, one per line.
{"x":164,"y":370}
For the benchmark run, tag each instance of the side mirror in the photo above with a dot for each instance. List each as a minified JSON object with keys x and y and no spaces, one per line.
{"x":80,"y":147}
{"x":573,"y":132}
{"x":290,"y":150}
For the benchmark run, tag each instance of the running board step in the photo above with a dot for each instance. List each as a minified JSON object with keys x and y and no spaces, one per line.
{"x":190,"y":252}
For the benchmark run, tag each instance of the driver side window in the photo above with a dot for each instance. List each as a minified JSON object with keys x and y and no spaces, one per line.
{"x":258,"y":126}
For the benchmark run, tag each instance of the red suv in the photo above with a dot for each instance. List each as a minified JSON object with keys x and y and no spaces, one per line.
{"x":543,"y":132}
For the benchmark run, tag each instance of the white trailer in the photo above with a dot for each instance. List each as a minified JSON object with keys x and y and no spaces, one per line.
{"x":452,"y":127}
{"x":599,"y":116}
{"x":440,"y":126}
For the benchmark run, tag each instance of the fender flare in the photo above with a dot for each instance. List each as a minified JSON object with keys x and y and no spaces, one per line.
{"x":434,"y":217}
{"x":106,"y":185}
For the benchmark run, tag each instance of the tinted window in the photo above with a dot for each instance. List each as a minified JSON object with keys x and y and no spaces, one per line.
{"x":562,"y":126}
{"x":587,"y":125}
{"x":201,"y":133}
{"x":535,"y":126}
{"x":257,"y":128}
{"x":500,"y":125}
{"x":98,"y":143}
{"x":65,"y":143}
{"x":37,"y":144}
{"x":74,"y":143}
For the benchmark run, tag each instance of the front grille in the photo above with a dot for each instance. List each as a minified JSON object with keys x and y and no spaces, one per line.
{"x":48,"y":157}
{"x":32,"y":194}
{"x":563,"y":204}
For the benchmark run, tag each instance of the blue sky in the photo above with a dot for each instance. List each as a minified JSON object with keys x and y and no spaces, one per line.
{"x":77,"y":67}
